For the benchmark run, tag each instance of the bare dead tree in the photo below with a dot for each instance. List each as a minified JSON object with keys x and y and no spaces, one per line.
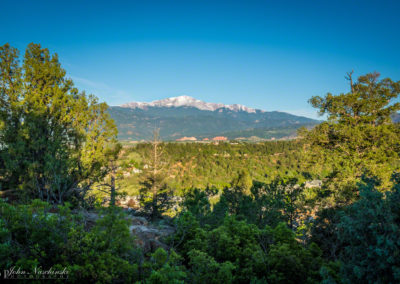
{"x":350,"y":78}
{"x":155,"y":195}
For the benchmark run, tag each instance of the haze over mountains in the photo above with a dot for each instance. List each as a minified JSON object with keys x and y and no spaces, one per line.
{"x":186,"y":116}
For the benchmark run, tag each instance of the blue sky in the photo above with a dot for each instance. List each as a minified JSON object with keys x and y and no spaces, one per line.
{"x":272,"y":55}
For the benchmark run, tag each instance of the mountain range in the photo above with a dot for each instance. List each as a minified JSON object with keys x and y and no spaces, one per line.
{"x":186,"y":101}
{"x":182,"y":116}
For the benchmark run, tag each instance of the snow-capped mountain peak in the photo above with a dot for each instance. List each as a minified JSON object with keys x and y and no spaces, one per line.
{"x":187,"y":101}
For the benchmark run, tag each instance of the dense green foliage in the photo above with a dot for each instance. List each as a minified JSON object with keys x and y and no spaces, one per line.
{"x":211,"y":244}
{"x":370,"y":236}
{"x":54,"y":141}
{"x":240,"y":252}
{"x":198,"y":165}
{"x":32,"y":236}
{"x":359,"y":136}
{"x":245,"y":214}
{"x":246,"y":237}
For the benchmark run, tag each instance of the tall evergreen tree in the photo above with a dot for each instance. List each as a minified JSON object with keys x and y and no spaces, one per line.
{"x":54,"y":140}
{"x":369,"y":234}
{"x":358,"y":137}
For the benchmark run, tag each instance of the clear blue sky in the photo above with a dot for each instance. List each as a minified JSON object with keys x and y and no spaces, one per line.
{"x":272,"y":55}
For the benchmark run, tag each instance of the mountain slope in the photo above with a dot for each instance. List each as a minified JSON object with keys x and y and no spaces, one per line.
{"x":186,"y":116}
{"x":186,"y":101}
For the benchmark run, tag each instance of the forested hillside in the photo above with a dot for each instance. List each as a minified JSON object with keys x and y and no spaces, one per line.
{"x":198,"y":165}
{"x":323,"y":208}
{"x":177,"y":122}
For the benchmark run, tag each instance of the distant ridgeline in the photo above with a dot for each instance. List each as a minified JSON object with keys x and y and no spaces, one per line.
{"x":184,"y":116}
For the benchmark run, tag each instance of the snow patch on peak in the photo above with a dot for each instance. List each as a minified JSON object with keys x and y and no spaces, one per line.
{"x":187,"y":101}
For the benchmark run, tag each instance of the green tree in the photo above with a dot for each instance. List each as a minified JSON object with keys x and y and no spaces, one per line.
{"x":108,"y":185}
{"x":54,"y":141}
{"x":204,"y":269}
{"x":197,"y":202}
{"x":242,"y":253}
{"x":166,"y":268}
{"x":32,"y":236}
{"x":244,"y":182}
{"x":369,"y":234}
{"x":155,"y":195}
{"x":358,"y":137}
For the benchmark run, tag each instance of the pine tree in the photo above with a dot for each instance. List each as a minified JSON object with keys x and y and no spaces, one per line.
{"x":109,"y":185}
{"x":155,"y":196}
{"x":54,"y":140}
{"x":358,"y":137}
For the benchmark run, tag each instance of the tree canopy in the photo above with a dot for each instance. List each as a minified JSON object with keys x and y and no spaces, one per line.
{"x":54,"y":140}
{"x":359,"y":136}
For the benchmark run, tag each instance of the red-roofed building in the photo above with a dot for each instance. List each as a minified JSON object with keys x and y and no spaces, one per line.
{"x":220,"y":138}
{"x":187,"y":139}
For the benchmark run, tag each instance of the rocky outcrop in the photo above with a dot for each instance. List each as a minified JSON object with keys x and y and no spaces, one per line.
{"x":149,"y":238}
{"x":129,"y":202}
{"x":313,"y":183}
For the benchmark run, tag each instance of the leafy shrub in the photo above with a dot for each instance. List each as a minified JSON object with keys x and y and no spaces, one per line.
{"x":31,"y":236}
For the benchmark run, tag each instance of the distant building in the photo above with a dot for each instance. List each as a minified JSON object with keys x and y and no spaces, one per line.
{"x":187,"y":139}
{"x":220,"y":138}
{"x":206,"y":139}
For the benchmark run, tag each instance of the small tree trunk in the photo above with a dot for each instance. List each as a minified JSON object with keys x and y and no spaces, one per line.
{"x":155,"y":168}
{"x":112,"y":186}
